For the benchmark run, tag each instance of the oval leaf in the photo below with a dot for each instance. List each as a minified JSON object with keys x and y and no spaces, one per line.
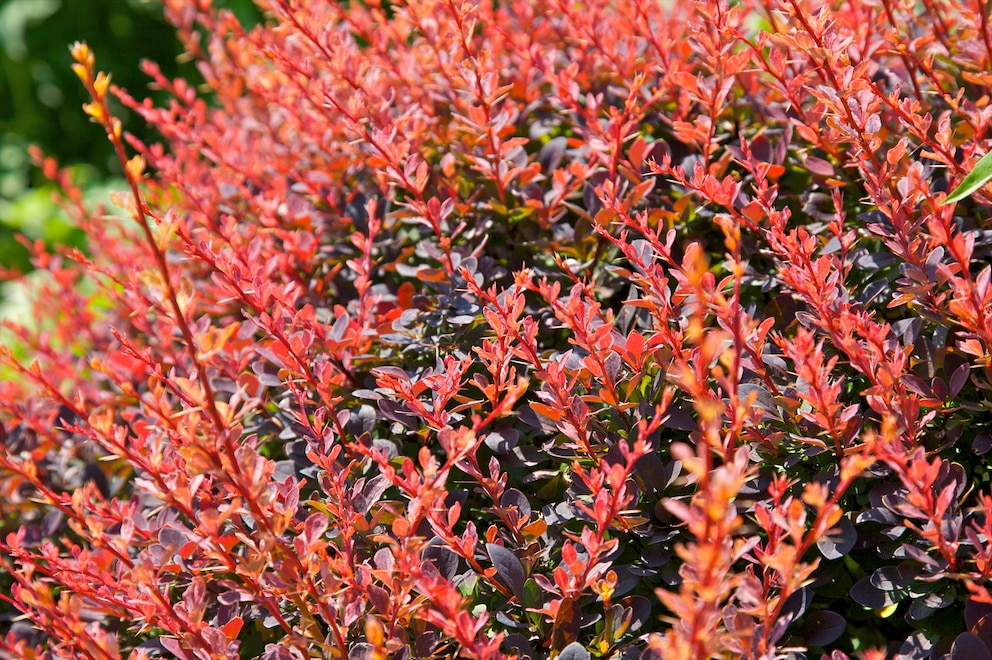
{"x":866,"y":594}
{"x":574,"y":651}
{"x":969,"y":647}
{"x":509,"y":570}
{"x":796,"y":604}
{"x":974,"y":612}
{"x":839,"y":541}
{"x":916,"y":647}
{"x":567,"y":624}
{"x":823,"y":627}
{"x":514,"y":498}
{"x":983,"y":630}
{"x":362,"y":651}
{"x":444,"y":560}
{"x":518,"y":642}
{"x":640,"y":608}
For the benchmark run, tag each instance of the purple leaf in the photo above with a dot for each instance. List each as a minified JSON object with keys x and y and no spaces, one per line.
{"x":314,"y":527}
{"x":514,"y":498}
{"x":958,"y":379}
{"x":443,"y":559}
{"x":340,"y":327}
{"x":974,"y":612}
{"x":982,"y":443}
{"x":574,"y":651}
{"x":371,"y":492}
{"x":379,"y":598}
{"x":819,"y":167}
{"x":823,"y":627}
{"x":797,"y":603}
{"x":969,"y":647}
{"x":916,"y":647}
{"x":509,"y":570}
{"x":361,"y":651}
{"x":518,"y":642}
{"x":679,"y":420}
{"x":839,"y":541}
{"x":502,"y":440}
{"x":888,"y":578}
{"x":865,"y":593}
{"x":613,"y":363}
{"x":983,"y":630}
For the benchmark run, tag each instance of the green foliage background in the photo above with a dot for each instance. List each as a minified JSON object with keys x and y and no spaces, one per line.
{"x":40,"y":100}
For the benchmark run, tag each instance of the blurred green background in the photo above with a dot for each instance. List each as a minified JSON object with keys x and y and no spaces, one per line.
{"x":41,"y":98}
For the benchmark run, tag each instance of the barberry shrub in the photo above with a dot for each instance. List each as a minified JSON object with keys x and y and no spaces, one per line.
{"x":626,"y":329}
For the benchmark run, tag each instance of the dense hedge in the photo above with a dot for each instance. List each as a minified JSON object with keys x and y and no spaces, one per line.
{"x":625,"y":329}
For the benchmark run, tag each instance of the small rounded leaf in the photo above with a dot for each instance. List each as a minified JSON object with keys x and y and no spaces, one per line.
{"x":509,"y":570}
{"x":823,"y":627}
{"x":514,"y":498}
{"x":983,"y":630}
{"x":839,"y":541}
{"x":640,"y":608}
{"x":916,"y":647}
{"x":361,"y":651}
{"x":444,"y":560}
{"x":969,"y":647}
{"x":865,"y":593}
{"x":574,"y":651}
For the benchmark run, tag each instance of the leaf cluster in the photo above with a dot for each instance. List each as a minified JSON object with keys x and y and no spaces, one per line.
{"x":455,"y":329}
